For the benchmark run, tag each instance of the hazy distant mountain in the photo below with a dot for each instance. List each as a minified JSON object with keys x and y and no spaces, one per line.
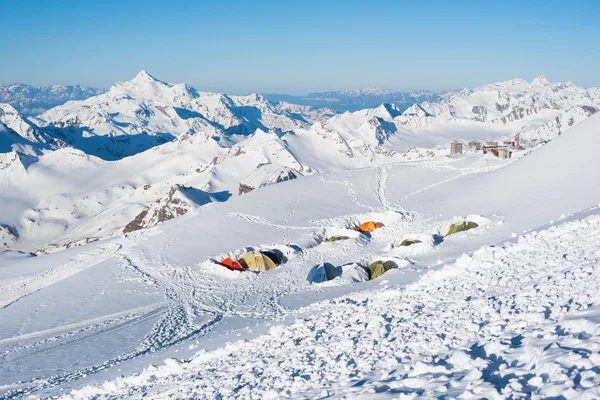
{"x":353,"y":100}
{"x":29,"y":100}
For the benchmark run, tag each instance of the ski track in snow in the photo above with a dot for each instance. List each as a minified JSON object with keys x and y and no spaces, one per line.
{"x":262,"y":221}
{"x":381,"y":187}
{"x":291,"y":213}
{"x":24,"y":287}
{"x":83,"y":324}
{"x":349,"y":187}
{"x":505,"y":321}
{"x":428,"y":187}
{"x":96,"y":330}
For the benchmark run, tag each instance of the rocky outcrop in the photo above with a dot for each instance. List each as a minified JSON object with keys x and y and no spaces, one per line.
{"x":8,"y":236}
{"x":177,"y":202}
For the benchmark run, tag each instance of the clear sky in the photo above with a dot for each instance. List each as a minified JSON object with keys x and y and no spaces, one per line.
{"x":296,"y":47}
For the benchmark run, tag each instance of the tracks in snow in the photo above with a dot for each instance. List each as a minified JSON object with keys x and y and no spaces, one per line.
{"x":24,"y":287}
{"x":381,"y":187}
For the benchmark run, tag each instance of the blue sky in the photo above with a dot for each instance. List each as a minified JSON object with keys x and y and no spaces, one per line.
{"x":300,"y":46}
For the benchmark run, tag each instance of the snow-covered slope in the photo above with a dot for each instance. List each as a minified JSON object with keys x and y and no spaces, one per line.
{"x":19,"y":134}
{"x":31,"y":100}
{"x":457,"y":318}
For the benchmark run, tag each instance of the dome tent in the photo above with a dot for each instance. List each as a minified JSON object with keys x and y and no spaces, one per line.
{"x":232,"y":264}
{"x":378,"y":268}
{"x":369,"y":226}
{"x":260,"y":260}
{"x":408,"y":242}
{"x":465,"y":226}
{"x":323,"y":273}
{"x":347,"y":273}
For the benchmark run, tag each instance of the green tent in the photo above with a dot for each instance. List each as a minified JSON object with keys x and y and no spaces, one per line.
{"x":379,"y":268}
{"x":408,"y":242}
{"x":465,"y":226}
{"x":336,"y":238}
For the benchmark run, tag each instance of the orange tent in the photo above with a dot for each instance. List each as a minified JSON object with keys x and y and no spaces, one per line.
{"x":369,"y":226}
{"x":232,"y":264}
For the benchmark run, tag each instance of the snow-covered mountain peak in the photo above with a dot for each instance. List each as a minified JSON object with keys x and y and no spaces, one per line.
{"x":416,"y":111}
{"x":145,"y":77}
{"x":387,"y":111}
{"x":541,"y":81}
{"x":260,"y":136}
{"x":145,"y":86}
{"x":513,"y":85}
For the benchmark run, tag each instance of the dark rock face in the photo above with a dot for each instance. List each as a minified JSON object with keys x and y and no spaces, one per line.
{"x":502,"y":107}
{"x":245,"y":189}
{"x":8,"y":235}
{"x":175,"y":204}
{"x":480,"y":113}
{"x":589,"y":110}
{"x":137,"y":222}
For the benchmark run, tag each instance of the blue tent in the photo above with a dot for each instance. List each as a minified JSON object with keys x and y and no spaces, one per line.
{"x":323,"y":273}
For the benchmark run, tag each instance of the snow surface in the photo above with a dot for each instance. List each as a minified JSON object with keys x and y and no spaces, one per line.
{"x":151,"y":314}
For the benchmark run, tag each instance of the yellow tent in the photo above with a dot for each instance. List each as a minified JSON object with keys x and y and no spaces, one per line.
{"x":257,"y":261}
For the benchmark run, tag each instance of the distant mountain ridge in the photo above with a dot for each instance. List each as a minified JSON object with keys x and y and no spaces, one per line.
{"x":30,"y":100}
{"x":357,"y":99}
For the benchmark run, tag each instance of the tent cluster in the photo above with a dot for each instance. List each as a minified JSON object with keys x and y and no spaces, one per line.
{"x":262,"y":260}
{"x":357,"y":273}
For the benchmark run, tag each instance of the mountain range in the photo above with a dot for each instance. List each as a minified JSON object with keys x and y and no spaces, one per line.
{"x":30,"y":100}
{"x":357,"y":99}
{"x":147,"y":151}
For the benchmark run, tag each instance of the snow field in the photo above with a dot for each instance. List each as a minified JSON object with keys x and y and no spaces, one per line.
{"x":518,"y":320}
{"x":346,"y":345}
